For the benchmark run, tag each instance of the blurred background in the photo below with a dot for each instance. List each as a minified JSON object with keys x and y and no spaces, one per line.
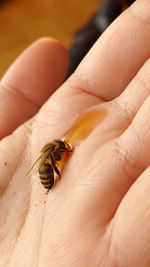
{"x":75,"y":23}
{"x":24,"y":21}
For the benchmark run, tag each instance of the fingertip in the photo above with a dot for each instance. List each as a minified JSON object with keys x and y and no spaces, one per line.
{"x":39,"y":70}
{"x":54,"y":44}
{"x":30,"y":81}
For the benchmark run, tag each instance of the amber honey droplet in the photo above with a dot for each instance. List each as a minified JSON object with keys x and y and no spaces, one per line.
{"x":84,"y":124}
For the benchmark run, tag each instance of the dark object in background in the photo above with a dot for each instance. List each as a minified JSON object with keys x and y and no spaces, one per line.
{"x":87,"y":36}
{"x":3,"y":1}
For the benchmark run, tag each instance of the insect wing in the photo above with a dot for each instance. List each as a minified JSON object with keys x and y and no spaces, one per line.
{"x":38,"y":164}
{"x":35,"y":167}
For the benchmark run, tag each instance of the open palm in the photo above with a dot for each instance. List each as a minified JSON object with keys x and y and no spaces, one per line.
{"x":98,"y":214}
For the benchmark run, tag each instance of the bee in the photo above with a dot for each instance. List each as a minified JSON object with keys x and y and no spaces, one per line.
{"x":49,"y":160}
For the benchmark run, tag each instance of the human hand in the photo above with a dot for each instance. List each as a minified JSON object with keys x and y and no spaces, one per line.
{"x":98,"y":213}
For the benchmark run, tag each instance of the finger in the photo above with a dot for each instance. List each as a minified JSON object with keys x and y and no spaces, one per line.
{"x":117,"y":55}
{"x":32,"y":78}
{"x":123,"y":109}
{"x":128,"y":154}
{"x":126,"y":158}
{"x":135,"y":94}
{"x":130,"y":229}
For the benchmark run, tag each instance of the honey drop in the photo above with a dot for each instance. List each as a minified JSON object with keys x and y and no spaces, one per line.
{"x":83,"y":125}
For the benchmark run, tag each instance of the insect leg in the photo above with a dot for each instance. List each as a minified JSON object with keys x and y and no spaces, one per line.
{"x":54,"y":166}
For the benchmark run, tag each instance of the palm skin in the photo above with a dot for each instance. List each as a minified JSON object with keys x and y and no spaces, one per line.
{"x":98,"y":213}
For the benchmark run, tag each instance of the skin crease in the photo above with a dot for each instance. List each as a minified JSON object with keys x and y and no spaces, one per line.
{"x":98,"y":214}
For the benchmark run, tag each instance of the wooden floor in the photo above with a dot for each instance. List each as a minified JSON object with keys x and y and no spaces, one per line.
{"x":23,"y":21}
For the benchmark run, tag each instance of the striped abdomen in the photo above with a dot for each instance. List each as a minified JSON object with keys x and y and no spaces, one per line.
{"x":46,"y":174}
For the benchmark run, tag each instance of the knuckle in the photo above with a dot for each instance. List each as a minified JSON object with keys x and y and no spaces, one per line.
{"x":125,"y":111}
{"x":143,"y":75}
{"x":128,"y":164}
{"x":87,"y":85}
